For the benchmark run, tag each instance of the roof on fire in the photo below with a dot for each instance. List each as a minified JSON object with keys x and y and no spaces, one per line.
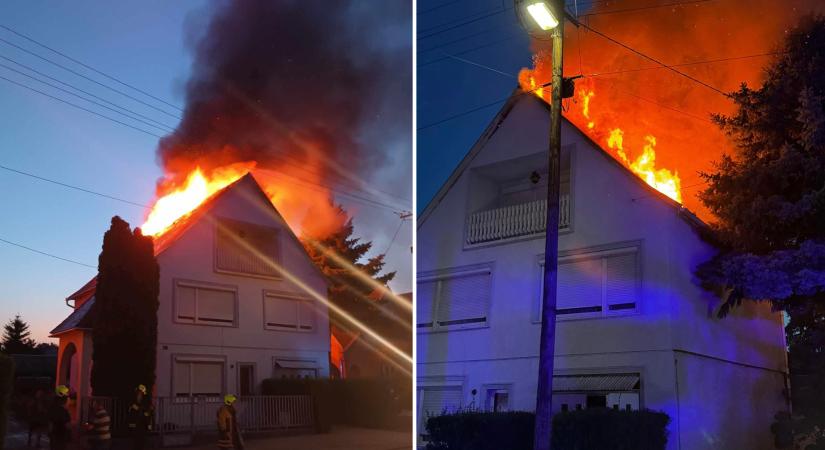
{"x":497,"y":121}
{"x":80,"y":318}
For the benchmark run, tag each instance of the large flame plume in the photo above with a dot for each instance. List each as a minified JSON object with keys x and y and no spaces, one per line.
{"x":301,"y":91}
{"x":665,"y":135}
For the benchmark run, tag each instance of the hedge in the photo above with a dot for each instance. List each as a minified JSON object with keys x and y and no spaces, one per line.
{"x":367,"y":402}
{"x":590,"y":429}
{"x":6,"y":382}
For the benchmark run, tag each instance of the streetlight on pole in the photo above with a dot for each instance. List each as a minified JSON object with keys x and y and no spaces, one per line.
{"x":548,"y":18}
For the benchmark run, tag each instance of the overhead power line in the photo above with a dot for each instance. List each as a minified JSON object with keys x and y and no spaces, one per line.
{"x":423,"y":34}
{"x":643,"y":8}
{"x":34,"y":41}
{"x":168,"y":129}
{"x":50,"y":255}
{"x":643,"y":55}
{"x":80,"y":107}
{"x":33,"y":70}
{"x":88,"y":78}
{"x":71,"y":186}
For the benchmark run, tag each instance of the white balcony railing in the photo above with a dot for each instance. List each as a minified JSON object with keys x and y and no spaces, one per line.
{"x":512,"y":221}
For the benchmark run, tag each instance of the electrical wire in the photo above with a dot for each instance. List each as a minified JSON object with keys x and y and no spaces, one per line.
{"x":50,"y":255}
{"x":34,"y":41}
{"x":81,"y":107}
{"x":87,"y":78}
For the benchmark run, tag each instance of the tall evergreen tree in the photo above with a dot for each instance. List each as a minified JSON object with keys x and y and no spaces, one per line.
{"x":124,"y":330}
{"x":16,"y":337}
{"x":348,"y":288}
{"x":769,"y":198}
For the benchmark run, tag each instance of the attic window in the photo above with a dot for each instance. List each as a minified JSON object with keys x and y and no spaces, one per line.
{"x":246,"y":248}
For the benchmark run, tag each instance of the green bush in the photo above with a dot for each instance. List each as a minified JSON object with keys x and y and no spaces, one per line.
{"x":591,"y":429}
{"x":481,"y":431}
{"x":6,"y":382}
{"x":368,"y":402}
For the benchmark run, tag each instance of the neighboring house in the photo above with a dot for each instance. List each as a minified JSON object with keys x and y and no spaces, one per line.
{"x":366,"y":357}
{"x":634,"y":329}
{"x":228,"y":318}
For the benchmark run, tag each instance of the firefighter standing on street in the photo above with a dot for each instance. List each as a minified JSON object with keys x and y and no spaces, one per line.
{"x":229,"y":435}
{"x":59,"y":418}
{"x":140,"y":418}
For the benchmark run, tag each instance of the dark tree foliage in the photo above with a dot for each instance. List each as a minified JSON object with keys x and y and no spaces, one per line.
{"x":348,"y":289}
{"x":124,"y":330}
{"x":769,"y":198}
{"x":16,"y":337}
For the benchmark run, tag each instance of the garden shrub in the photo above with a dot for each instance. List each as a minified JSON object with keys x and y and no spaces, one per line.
{"x":590,"y":429}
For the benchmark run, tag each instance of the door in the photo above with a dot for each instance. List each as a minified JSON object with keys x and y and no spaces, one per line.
{"x":246,"y":379}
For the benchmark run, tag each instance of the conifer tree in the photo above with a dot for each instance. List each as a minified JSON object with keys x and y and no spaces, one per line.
{"x":16,"y":337}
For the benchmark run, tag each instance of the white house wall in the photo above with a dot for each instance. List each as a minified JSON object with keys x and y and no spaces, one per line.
{"x":191,"y":258}
{"x":610,"y":208}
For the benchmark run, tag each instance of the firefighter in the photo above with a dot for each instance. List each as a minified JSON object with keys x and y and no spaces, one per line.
{"x":229,"y":435}
{"x":140,"y":418}
{"x":59,"y":418}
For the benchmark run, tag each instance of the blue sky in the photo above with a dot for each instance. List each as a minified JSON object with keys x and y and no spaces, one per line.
{"x":143,"y":44}
{"x":485,"y":32}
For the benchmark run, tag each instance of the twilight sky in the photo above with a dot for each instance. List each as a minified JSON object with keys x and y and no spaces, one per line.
{"x":143,"y":44}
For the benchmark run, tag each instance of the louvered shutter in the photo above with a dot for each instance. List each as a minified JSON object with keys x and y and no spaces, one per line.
{"x":424,"y":297}
{"x":281,"y":313}
{"x":437,"y":401}
{"x":307,"y":315}
{"x":216,"y":306}
{"x":185,"y":303}
{"x":464,"y":299}
{"x":207,"y":378}
{"x":622,"y":281}
{"x":579,"y":286}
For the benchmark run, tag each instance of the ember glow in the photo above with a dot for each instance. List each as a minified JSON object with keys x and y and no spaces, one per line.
{"x":720,"y":43}
{"x":195,"y":190}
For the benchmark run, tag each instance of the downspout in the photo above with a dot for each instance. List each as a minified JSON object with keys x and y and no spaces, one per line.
{"x":678,"y":406}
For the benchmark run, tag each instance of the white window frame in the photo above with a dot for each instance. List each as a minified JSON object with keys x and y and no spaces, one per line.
{"x":308,"y":360}
{"x":433,"y":383}
{"x":497,"y":387}
{"x":439,"y":279}
{"x":300,"y":300}
{"x":209,"y":286}
{"x":602,"y":253}
{"x":196,"y":359}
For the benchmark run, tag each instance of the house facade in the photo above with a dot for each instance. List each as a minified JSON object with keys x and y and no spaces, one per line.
{"x":634,"y":329}
{"x":240,"y":301}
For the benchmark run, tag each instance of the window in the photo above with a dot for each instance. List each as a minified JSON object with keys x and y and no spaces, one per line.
{"x":294,"y":369}
{"x":458,"y":300}
{"x":205,"y":304}
{"x":595,"y":285}
{"x":616,"y":391}
{"x":246,"y":248}
{"x":288,"y":312}
{"x":435,"y":401}
{"x":498,"y":399}
{"x":197,"y":377}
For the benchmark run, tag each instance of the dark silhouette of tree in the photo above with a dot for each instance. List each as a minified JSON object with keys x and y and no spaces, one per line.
{"x":16,"y":337}
{"x":348,"y":289}
{"x":124,"y":330}
{"x":769,"y":198}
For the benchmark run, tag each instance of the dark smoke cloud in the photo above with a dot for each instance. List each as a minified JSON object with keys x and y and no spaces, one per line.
{"x":296,"y":83}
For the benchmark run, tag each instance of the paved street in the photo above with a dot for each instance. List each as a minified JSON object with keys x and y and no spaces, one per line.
{"x":341,"y":438}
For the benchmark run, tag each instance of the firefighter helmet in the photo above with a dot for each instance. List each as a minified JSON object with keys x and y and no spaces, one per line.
{"x":229,"y":399}
{"x":62,"y":391}
{"x":142,"y":389}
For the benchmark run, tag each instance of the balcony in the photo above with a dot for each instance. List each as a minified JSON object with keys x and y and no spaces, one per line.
{"x":513,"y":221}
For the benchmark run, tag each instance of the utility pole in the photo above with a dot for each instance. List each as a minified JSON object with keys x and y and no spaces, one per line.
{"x":544,"y":395}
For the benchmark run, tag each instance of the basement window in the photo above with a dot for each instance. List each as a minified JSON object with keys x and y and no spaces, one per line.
{"x":454,"y":301}
{"x":205,"y":304}
{"x":245,"y":248}
{"x":288,"y":312}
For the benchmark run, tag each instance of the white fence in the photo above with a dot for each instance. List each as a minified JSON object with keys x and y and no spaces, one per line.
{"x":523,"y":219}
{"x":192,"y":415}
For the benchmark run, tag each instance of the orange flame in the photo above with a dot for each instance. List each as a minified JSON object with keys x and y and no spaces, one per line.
{"x":182,"y":201}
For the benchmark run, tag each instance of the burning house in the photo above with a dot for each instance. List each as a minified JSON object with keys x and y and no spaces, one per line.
{"x":240,"y":300}
{"x":634,"y":330}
